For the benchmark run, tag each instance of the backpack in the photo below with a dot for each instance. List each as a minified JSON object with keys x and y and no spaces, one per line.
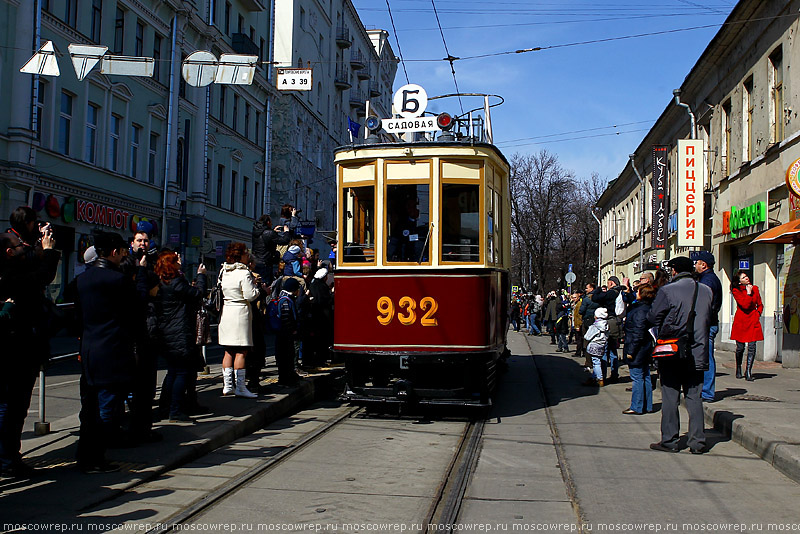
{"x":273,"y":315}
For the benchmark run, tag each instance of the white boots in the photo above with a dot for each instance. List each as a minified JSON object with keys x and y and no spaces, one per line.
{"x":240,"y":389}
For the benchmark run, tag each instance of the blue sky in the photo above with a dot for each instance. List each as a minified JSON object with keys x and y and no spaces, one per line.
{"x":563,"y":90}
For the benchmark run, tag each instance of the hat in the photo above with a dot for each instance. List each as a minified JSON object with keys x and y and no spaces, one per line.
{"x":614,"y":279}
{"x":90,"y":255}
{"x":600,"y":313}
{"x":321,"y":273}
{"x":681,"y":264}
{"x":291,"y":285}
{"x":705,"y":256}
{"x":294,"y":249}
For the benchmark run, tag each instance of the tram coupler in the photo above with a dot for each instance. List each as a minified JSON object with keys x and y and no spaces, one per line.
{"x":404,"y":392}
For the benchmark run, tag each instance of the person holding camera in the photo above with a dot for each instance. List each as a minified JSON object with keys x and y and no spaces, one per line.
{"x":289,"y":219}
{"x":265,"y":246}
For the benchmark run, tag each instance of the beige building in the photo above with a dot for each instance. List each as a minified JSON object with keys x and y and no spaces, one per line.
{"x":744,"y":100}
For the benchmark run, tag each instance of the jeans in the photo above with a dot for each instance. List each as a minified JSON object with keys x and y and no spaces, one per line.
{"x":709,"y":377}
{"x":515,"y":324}
{"x":178,"y":387}
{"x":597,"y":368}
{"x":562,"y":342}
{"x":101,"y":410}
{"x":642,"y":396}
{"x":612,"y":358}
{"x":532,"y":328}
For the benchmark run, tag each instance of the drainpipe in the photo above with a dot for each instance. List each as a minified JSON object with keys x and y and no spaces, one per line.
{"x":599,"y":245}
{"x":267,"y":199}
{"x":170,"y":118}
{"x":641,"y":182}
{"x":35,"y":118}
{"x":677,"y":94}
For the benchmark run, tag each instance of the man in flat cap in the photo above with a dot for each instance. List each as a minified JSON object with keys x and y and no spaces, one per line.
{"x":704,"y":266}
{"x":682,"y":310}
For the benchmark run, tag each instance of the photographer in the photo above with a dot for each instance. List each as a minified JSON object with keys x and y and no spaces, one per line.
{"x":289,"y":219}
{"x":265,"y":246}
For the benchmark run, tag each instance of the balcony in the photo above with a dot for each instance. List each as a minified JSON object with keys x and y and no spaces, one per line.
{"x":374,"y":89}
{"x":343,"y":38}
{"x":357,"y":60}
{"x":242,"y":44}
{"x":363,"y":74}
{"x":357,"y":100}
{"x":253,"y":5}
{"x":341,"y":78}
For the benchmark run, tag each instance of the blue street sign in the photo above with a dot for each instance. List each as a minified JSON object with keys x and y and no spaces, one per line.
{"x":569,"y":269}
{"x":744,"y":264}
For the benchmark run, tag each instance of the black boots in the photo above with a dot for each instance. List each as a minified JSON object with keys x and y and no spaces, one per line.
{"x":739,"y":364}
{"x":749,"y":372}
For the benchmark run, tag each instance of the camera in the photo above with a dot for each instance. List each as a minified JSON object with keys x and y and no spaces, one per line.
{"x":152,"y":254}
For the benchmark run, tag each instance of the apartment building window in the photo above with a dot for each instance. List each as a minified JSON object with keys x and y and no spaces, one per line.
{"x":97,"y":17}
{"x":234,"y":177}
{"x":262,"y":53}
{"x":71,"y":13}
{"x":776,"y":75}
{"x":240,"y":26}
{"x":235,"y":121}
{"x":40,"y":100}
{"x":247,"y":120}
{"x":119,"y":31}
{"x":749,"y":108}
{"x":152,"y":158}
{"x":139,"y":48}
{"x":136,"y":132}
{"x":300,"y":136}
{"x":302,"y":18}
{"x":244,"y":196}
{"x":220,"y":176}
{"x":91,"y":133}
{"x":222,"y":104}
{"x":157,"y":57}
{"x":256,"y":215}
{"x":113,"y":145}
{"x":258,"y":127}
{"x":65,"y":123}
{"x":726,"y":138}
{"x":228,"y":18}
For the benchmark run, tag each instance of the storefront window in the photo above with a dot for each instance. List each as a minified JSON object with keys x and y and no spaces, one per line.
{"x":460,"y":228}
{"x":359,"y":225}
{"x":407,"y":223}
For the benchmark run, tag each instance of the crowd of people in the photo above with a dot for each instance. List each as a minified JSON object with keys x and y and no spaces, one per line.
{"x":134,"y":306}
{"x":627,"y":323}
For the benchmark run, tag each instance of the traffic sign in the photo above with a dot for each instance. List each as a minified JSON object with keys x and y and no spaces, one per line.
{"x":569,"y":269}
{"x":410,"y":101}
{"x":295,"y":79}
{"x":570,"y":277}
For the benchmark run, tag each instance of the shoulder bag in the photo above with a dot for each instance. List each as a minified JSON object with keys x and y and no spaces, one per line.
{"x":667,"y":348}
{"x":213,"y":304}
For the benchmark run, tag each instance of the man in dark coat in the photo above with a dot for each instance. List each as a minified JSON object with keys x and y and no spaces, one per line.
{"x":111,"y":312}
{"x":25,"y":271}
{"x":265,"y":245}
{"x":670,"y":314}
{"x":704,"y":267}
{"x":551,"y":308}
{"x":285,"y":337}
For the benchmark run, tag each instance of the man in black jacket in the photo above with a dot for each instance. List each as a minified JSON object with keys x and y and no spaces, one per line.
{"x":265,"y":244}
{"x":703,"y":266}
{"x":671,"y":315}
{"x":111,"y":312}
{"x":284,"y":338}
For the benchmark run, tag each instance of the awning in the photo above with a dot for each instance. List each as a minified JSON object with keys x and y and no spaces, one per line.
{"x":784,"y":234}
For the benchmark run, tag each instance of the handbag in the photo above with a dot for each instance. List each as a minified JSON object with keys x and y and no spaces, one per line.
{"x":213,"y":305}
{"x":202,"y":328}
{"x":668,"y":348}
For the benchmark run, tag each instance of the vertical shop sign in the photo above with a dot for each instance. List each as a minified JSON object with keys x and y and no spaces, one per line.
{"x":660,"y":188}
{"x":690,"y":193}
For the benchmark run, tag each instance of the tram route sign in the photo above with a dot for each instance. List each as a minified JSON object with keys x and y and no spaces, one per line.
{"x":295,"y":79}
{"x":416,"y":124}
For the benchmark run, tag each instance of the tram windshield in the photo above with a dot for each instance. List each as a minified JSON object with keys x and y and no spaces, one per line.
{"x":460,"y":223}
{"x":408,"y":222}
{"x":359,"y":224}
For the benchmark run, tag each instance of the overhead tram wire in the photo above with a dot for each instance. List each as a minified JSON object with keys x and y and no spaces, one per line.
{"x":397,"y":40}
{"x":449,"y":57}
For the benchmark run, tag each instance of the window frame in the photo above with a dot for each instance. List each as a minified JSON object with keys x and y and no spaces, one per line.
{"x":777,"y":94}
{"x":96,"y":25}
{"x":136,"y":141}
{"x":90,"y":143}
{"x":340,"y":213}
{"x":480,"y":182}
{"x":119,"y":31}
{"x":114,"y":141}
{"x":384,"y":245}
{"x":65,"y":118}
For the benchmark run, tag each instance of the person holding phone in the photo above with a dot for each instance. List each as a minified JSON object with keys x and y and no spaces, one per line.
{"x":747,"y":321}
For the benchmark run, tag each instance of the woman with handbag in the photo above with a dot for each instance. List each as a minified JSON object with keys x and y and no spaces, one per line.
{"x":638,"y":351}
{"x":177,"y":303}
{"x":236,"y":321}
{"x":747,"y":321}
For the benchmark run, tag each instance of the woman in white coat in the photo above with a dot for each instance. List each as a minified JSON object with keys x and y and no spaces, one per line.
{"x":236,"y":322}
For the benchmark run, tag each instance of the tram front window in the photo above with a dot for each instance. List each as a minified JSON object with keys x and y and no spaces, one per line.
{"x":408,"y":223}
{"x":460,"y":223}
{"x":359,"y":225}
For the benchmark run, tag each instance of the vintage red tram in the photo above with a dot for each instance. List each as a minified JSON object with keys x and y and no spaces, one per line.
{"x":422,"y":285}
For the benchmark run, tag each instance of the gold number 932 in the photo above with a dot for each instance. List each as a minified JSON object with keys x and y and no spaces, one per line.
{"x":406,"y":311}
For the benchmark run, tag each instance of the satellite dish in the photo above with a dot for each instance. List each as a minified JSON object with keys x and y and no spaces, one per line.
{"x":200,"y":68}
{"x":43,"y":62}
{"x":85,"y":57}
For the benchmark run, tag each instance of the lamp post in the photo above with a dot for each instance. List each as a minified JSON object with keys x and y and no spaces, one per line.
{"x":599,"y":245}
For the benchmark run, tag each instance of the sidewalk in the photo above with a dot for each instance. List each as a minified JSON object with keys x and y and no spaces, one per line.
{"x":59,"y":491}
{"x":762,"y":416}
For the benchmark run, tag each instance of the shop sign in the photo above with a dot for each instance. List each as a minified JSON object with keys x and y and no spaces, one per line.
{"x":794,"y":208}
{"x":793,"y":178}
{"x":660,"y":186}
{"x":690,"y":193}
{"x":737,"y":219}
{"x":94,"y":213}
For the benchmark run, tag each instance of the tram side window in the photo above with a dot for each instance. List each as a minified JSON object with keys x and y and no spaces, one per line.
{"x":460,"y":229}
{"x":408,"y":223}
{"x":359,"y":224}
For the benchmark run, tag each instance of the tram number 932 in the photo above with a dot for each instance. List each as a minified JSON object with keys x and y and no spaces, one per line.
{"x":406,"y":311}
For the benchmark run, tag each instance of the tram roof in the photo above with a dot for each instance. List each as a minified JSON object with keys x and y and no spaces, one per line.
{"x":422,"y":144}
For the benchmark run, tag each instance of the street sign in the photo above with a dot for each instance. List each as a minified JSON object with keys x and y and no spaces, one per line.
{"x":570,"y":277}
{"x":295,"y":79}
{"x":744,"y":264}
{"x":569,"y":269}
{"x":419,"y":124}
{"x":410,"y":101}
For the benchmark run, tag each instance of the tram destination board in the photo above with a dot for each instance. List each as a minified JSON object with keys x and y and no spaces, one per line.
{"x":295,"y":79}
{"x":413,"y":124}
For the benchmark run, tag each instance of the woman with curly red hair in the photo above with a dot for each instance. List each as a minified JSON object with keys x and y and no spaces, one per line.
{"x":176,"y":314}
{"x":236,"y":322}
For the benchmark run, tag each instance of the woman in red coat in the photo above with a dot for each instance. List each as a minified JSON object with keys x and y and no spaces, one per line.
{"x":746,"y":323}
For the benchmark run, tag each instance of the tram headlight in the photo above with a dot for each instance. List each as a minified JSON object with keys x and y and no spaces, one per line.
{"x":444,"y":121}
{"x":373,"y":124}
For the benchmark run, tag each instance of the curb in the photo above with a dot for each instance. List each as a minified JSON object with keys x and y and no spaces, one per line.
{"x":780,"y":454}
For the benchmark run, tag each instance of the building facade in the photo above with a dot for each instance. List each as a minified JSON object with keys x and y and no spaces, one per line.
{"x":744,"y":109}
{"x":108,"y":151}
{"x":350,"y":66}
